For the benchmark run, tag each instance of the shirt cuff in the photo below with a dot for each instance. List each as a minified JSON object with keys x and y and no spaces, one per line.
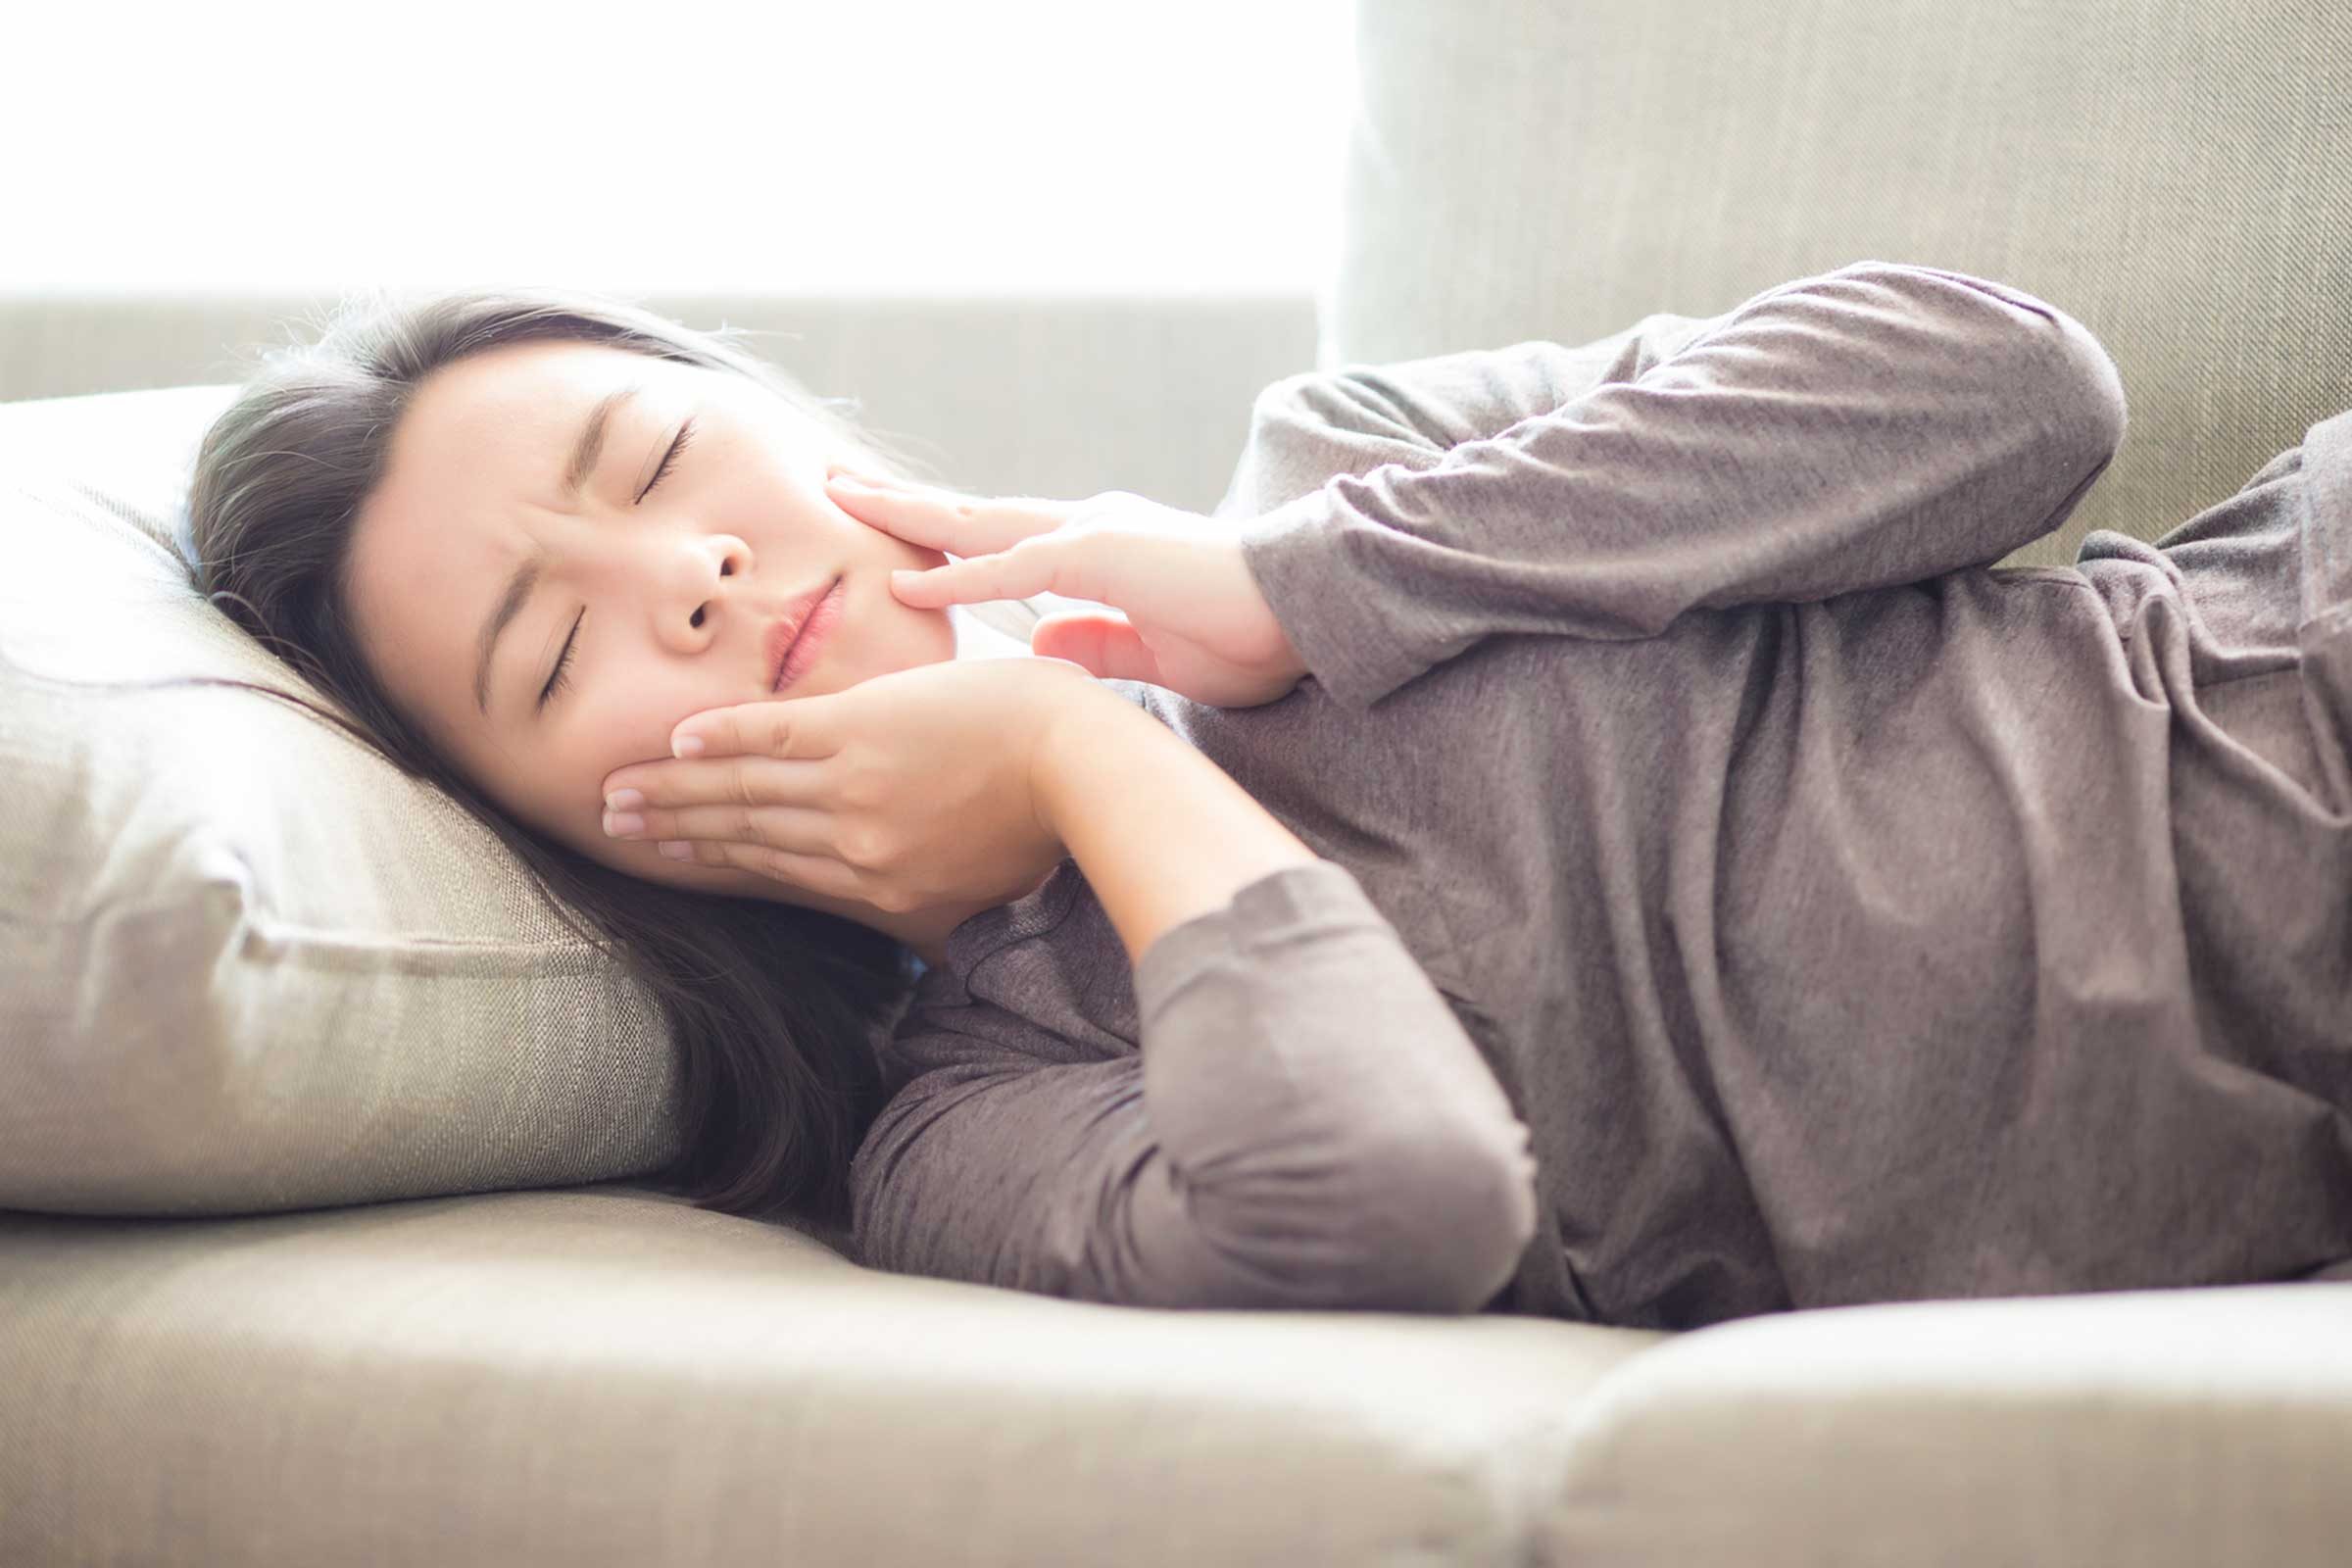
{"x":1298,"y":554}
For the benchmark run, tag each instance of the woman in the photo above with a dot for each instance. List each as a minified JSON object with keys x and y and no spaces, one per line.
{"x":1585,"y":831}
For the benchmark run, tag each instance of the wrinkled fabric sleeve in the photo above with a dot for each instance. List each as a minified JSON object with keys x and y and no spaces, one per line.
{"x":1876,"y":426}
{"x":1306,"y":1125}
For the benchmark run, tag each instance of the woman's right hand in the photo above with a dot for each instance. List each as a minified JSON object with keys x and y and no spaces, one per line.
{"x":1188,"y":614}
{"x":914,"y":790}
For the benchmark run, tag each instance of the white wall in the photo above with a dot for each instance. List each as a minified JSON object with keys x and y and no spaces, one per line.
{"x":878,"y":144}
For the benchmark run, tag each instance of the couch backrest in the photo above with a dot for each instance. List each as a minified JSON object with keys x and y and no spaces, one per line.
{"x":2177,"y":176}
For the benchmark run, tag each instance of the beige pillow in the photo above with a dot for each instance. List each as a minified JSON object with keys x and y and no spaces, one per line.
{"x":245,"y":965}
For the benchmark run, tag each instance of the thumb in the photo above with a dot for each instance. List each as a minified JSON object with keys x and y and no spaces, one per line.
{"x":1105,"y":646}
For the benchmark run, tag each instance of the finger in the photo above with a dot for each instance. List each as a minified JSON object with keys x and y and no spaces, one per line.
{"x":1049,"y":563}
{"x":866,"y":476}
{"x":943,"y":520}
{"x":797,"y":728}
{"x":746,"y":780}
{"x":1108,"y":646}
{"x":797,"y":830}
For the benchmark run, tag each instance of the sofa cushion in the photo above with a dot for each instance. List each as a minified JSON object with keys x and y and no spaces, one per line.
{"x":603,"y":1376}
{"x":245,"y":963}
{"x":2164,"y":1429}
{"x":2175,"y":177}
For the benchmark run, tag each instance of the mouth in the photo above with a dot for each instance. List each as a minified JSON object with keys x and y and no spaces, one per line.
{"x":793,"y":643}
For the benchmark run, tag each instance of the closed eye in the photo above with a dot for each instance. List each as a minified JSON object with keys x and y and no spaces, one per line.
{"x":556,"y":681}
{"x":685,"y":434}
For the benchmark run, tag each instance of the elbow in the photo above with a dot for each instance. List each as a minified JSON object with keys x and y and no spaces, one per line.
{"x":2077,"y":382}
{"x":2058,"y":368}
{"x":2097,"y":388}
{"x":1434,"y":1226}
{"x":2085,"y":418}
{"x":1477,"y":1214}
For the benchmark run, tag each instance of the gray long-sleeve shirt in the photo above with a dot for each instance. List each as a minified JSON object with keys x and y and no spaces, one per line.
{"x":1735,"y":894}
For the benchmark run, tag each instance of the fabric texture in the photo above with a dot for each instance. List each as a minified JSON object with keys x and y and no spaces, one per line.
{"x":2179,"y":175}
{"x":1842,"y":917}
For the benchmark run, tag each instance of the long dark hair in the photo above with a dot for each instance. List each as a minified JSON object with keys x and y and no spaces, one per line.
{"x":774,"y":1010}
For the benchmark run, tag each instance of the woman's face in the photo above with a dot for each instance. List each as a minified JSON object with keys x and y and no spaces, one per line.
{"x":666,"y":595}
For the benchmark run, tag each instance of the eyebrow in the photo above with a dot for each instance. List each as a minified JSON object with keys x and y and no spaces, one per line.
{"x":576,"y":470}
{"x":591,"y":444}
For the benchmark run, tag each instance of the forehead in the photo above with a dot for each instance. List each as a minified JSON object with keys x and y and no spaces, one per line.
{"x":507,"y":418}
{"x":480,"y":451}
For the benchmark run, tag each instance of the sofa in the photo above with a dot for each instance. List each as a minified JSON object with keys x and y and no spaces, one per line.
{"x":326,"y":1233}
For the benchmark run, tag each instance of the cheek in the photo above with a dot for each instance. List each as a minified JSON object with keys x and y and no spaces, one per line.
{"x":632,"y":716}
{"x":618,"y":722}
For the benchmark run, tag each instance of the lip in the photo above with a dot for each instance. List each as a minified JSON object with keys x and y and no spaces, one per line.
{"x":793,"y":643}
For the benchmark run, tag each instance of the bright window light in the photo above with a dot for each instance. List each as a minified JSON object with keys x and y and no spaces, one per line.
{"x":873,"y":145}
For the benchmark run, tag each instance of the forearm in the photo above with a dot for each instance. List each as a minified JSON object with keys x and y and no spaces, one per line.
{"x":1877,"y":426}
{"x":1161,"y":833}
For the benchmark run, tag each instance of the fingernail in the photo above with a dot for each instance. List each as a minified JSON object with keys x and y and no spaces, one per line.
{"x":620,"y":824}
{"x":687,"y":745}
{"x":624,"y":800}
{"x":676,"y":848}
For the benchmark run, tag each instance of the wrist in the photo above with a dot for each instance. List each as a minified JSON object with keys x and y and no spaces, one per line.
{"x":1161,"y":833}
{"x":1080,"y":719}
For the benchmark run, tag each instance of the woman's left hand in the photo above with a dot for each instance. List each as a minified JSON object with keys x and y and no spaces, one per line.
{"x":842,"y":795}
{"x":1189,"y":618}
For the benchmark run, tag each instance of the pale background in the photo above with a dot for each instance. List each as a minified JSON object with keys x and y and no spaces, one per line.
{"x":681,"y":149}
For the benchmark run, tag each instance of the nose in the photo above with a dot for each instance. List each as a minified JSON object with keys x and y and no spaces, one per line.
{"x":693,"y":605}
